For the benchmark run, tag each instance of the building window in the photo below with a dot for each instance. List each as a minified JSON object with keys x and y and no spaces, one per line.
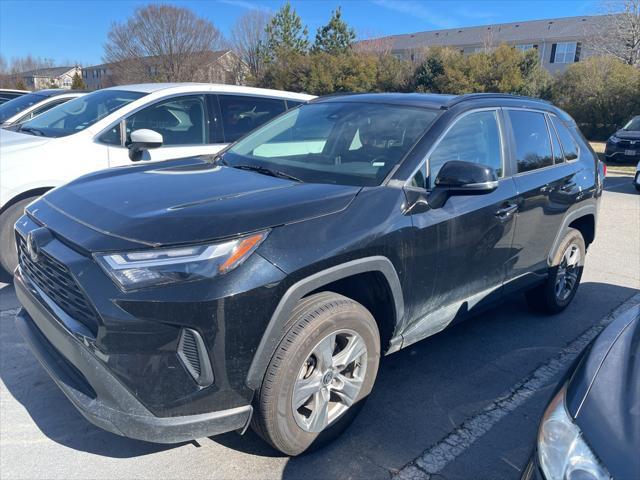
{"x":526,"y":46}
{"x":564,"y":52}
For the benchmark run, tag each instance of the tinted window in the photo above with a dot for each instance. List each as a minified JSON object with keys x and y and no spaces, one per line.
{"x":80,"y":113}
{"x":44,"y":108}
{"x":474,"y":138}
{"x":344,"y":143}
{"x":180,"y":120}
{"x":533,"y":146}
{"x":242,"y":114}
{"x":569,"y":145}
{"x":111,"y":136}
{"x":294,"y":103}
{"x":15,"y":106}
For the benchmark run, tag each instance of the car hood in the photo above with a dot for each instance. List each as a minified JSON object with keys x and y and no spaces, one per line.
{"x":604,"y":396}
{"x":12,"y":141}
{"x":184,"y":201}
{"x":628,"y":134}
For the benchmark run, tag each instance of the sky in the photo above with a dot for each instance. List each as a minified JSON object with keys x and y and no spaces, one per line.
{"x":71,"y":31}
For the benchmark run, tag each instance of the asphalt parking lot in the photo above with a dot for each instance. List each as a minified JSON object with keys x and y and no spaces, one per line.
{"x":467,"y":380}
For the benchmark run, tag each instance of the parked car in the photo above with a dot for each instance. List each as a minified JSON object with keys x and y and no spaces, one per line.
{"x":636,"y":178}
{"x":185,"y":299}
{"x":95,"y":132}
{"x":30,"y":105}
{"x":591,"y":428}
{"x":8,"y":94}
{"x":624,"y":145}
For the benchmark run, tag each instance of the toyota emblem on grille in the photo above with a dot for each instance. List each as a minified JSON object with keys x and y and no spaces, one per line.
{"x":36,"y":239}
{"x":33,"y":250}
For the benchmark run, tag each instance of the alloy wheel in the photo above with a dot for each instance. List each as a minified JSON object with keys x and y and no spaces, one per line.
{"x":329,"y":380}
{"x":568,"y":271}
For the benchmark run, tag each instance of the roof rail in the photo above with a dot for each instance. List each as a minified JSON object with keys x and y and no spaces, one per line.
{"x":475,"y":96}
{"x":335,"y":94}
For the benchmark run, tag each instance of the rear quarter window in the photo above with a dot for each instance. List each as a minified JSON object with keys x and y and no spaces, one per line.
{"x":569,"y":144}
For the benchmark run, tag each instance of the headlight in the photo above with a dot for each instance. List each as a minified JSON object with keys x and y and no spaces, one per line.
{"x":614,"y":139}
{"x":562,"y":452}
{"x":139,"y":269}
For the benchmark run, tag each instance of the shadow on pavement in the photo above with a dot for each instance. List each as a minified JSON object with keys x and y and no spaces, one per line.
{"x":421,"y":392}
{"x":621,"y":184}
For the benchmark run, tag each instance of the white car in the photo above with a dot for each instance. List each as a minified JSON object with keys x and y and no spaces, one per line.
{"x":636,"y":178}
{"x":30,"y":105}
{"x":95,"y":131}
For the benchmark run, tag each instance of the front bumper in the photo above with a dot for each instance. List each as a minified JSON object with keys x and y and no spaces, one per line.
{"x":99,"y":396}
{"x":619,"y":153}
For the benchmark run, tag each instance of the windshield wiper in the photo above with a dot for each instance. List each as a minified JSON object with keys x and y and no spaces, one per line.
{"x":267,"y":171}
{"x":31,"y":130}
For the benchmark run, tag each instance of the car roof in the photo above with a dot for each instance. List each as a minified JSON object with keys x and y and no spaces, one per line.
{"x":212,"y":87}
{"x":54,"y":92}
{"x":440,"y":101}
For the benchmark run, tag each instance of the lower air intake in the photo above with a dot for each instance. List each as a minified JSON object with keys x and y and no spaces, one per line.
{"x":193,"y":354}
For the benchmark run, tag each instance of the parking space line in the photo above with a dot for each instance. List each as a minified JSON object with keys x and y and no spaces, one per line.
{"x":434,"y":459}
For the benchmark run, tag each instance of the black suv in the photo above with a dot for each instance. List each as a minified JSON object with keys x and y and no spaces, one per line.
{"x":185,"y":299}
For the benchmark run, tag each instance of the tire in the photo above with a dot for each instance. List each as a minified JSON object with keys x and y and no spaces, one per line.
{"x":561,"y":285}
{"x":299,"y":362}
{"x":8,"y":252}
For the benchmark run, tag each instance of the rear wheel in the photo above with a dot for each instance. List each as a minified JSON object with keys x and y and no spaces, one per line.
{"x":8,"y":252}
{"x":321,"y":374}
{"x":556,"y":293}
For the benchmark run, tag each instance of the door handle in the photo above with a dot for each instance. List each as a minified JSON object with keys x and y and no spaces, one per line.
{"x":505,"y":213}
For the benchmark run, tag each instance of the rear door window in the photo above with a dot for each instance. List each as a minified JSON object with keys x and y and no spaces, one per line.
{"x":241,"y":114}
{"x":569,"y":145}
{"x":533,"y":145}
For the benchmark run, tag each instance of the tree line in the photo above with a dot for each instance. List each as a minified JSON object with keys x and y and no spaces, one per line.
{"x":167,"y":43}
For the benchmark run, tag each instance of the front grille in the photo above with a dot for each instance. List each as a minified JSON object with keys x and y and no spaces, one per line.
{"x":55,"y":280}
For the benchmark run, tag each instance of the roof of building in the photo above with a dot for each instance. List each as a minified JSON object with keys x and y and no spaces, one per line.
{"x":47,"y":72}
{"x":213,"y":56}
{"x":532,"y":30}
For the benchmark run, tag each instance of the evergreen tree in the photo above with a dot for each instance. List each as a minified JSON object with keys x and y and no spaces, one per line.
{"x":77,"y":83}
{"x":336,"y":36}
{"x":285,"y":35}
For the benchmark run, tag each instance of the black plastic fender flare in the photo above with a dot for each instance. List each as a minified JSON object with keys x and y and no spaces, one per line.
{"x":274,"y":330}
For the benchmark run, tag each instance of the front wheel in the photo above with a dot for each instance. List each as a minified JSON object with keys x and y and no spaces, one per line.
{"x":322,"y":372}
{"x":556,"y":293}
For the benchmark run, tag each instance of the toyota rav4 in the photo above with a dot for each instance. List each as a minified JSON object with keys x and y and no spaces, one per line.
{"x":260,"y":287}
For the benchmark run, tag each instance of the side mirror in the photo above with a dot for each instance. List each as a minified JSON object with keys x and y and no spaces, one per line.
{"x":462,"y":178}
{"x":141,"y":140}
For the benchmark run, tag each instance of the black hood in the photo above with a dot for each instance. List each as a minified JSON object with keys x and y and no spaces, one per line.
{"x":604,"y":396}
{"x":628,"y":134}
{"x":186,"y":201}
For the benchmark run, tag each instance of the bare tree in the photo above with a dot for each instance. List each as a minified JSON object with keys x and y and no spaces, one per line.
{"x":619,"y":36}
{"x":248,"y":36}
{"x":370,"y":42}
{"x":161,"y":43}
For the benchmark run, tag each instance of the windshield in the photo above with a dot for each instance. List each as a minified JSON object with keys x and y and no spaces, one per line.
{"x":12,"y":107}
{"x":343,"y":143}
{"x":634,"y":124}
{"x":79,"y":113}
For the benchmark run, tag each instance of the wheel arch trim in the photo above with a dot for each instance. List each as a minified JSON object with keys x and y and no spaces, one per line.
{"x":298,"y":290}
{"x":583,"y":211}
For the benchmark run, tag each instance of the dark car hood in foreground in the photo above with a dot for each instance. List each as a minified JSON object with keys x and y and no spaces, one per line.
{"x":604,"y":396}
{"x":186,"y":201}
{"x":628,"y":134}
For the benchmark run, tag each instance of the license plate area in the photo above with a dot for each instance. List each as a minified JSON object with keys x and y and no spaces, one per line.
{"x":629,"y":153}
